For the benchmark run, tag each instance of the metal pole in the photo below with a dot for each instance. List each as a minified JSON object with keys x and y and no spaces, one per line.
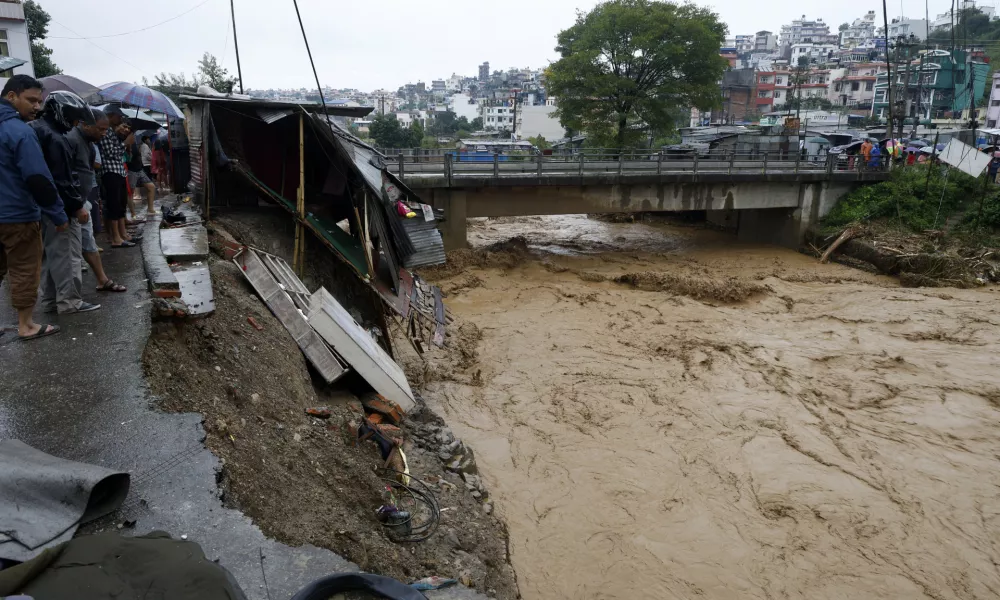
{"x":765,"y":163}
{"x":236,"y":42}
{"x":732,"y":159}
{"x":300,"y":197}
{"x":319,"y":88}
{"x":696,"y":162}
{"x":798,"y":157}
{"x":447,"y":167}
{"x":888,"y":68}
{"x":401,"y":160}
{"x":659,"y":162}
{"x":621,"y":160}
{"x":496,"y":165}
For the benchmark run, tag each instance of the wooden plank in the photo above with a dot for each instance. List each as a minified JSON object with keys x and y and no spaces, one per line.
{"x":311,"y":344}
{"x":439,"y":317}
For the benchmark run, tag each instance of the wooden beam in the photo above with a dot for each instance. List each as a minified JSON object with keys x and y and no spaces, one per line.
{"x":300,"y":202}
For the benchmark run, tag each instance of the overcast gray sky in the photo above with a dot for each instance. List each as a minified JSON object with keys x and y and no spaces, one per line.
{"x":364,"y":44}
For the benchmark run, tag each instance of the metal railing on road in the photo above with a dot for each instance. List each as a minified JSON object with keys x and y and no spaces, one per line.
{"x":455,"y":165}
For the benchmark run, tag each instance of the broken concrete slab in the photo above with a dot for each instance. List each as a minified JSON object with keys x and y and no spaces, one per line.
{"x":184,"y":243}
{"x":162,"y":282}
{"x":358,"y":349}
{"x":196,"y":289}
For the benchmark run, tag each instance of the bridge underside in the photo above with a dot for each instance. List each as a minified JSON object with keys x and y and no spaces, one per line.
{"x":776,"y":212}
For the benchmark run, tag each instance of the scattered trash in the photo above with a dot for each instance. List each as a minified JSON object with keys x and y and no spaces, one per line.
{"x":320,"y":412}
{"x":218,"y":368}
{"x":90,"y":334}
{"x":184,"y":536}
{"x":197,"y":263}
{"x":253,"y":322}
{"x":432,"y":583}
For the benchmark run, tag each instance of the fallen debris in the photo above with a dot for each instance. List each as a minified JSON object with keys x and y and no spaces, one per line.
{"x":253,"y":322}
{"x":320,"y":412}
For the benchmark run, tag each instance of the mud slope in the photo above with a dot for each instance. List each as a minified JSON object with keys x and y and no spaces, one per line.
{"x":832,"y":437}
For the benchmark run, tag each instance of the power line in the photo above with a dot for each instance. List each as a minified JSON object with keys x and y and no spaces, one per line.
{"x":103,"y":49}
{"x":113,"y":35}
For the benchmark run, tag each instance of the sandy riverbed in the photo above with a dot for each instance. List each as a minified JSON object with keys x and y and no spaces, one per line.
{"x":834,"y":436}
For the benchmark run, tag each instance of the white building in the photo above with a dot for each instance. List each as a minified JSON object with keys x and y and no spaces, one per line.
{"x":745,"y":43}
{"x":14,"y":39}
{"x":993,"y":107}
{"x":814,"y":52}
{"x":860,"y":32}
{"x":943,"y":20}
{"x":765,"y":41}
{"x":533,"y":121}
{"x":498,"y":116}
{"x":904,"y":27}
{"x":805,"y":30}
{"x":463,"y":105}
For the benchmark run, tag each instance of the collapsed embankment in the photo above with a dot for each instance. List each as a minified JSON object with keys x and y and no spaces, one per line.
{"x":305,"y":480}
{"x":805,"y":440}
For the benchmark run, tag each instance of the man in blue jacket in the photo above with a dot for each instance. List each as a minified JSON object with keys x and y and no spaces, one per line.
{"x":26,"y":191}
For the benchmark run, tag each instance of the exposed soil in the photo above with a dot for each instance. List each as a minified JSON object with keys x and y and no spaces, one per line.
{"x":835,"y":437}
{"x":304,"y":480}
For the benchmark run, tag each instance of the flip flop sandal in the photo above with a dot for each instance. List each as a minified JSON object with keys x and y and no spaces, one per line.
{"x":111,"y":286}
{"x":46,"y":330}
{"x":124,"y":244}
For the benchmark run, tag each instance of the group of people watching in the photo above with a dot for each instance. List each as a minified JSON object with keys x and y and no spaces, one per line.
{"x":58,"y":161}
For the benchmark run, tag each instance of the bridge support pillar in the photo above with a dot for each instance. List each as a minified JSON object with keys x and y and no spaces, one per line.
{"x":454,"y":228}
{"x":788,"y":226}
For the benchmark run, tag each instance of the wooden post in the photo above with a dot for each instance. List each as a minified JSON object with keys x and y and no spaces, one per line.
{"x":496,"y":165}
{"x":300,"y":242}
{"x":447,"y":167}
{"x":401,"y":166}
{"x":621,"y":160}
{"x":659,"y":162}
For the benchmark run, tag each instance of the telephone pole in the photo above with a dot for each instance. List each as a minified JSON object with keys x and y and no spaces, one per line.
{"x":888,"y":69}
{"x":902,"y":44}
{"x":236,"y":42}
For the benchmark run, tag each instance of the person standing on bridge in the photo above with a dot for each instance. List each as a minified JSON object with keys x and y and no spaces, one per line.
{"x":866,"y":150}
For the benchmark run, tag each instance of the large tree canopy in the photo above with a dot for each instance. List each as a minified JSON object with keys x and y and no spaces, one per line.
{"x":38,"y":27}
{"x":628,"y":66}
{"x":388,"y":132}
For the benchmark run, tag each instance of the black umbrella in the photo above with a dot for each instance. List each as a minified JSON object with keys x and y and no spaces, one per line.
{"x":138,"y":120}
{"x":67,"y":83}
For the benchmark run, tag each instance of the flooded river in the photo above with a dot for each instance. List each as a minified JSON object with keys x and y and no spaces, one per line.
{"x":834,"y":436}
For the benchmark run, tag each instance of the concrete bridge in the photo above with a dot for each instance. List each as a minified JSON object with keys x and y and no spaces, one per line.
{"x":770,"y":199}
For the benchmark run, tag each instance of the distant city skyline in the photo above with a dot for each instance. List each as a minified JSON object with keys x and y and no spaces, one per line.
{"x":366,"y":46}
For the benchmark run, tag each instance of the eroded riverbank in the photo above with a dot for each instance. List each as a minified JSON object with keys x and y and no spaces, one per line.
{"x":831,"y":436}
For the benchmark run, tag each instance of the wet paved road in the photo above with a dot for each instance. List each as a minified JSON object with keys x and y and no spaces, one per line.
{"x":86,"y":400}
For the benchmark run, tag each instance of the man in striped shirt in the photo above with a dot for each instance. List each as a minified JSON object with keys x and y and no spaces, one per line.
{"x":113,"y":177}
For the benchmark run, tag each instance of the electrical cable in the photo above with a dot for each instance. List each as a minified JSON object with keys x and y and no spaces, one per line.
{"x":101,"y":48}
{"x":424,"y":530}
{"x":114,"y":35}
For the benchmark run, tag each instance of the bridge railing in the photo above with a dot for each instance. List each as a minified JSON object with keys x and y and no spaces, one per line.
{"x":452,"y":164}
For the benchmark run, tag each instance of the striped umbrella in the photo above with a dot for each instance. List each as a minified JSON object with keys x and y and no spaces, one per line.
{"x":141,"y":96}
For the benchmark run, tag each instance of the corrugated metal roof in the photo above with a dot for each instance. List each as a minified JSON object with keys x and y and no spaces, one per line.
{"x":9,"y":62}
{"x":270,"y":115}
{"x":12,"y":11}
{"x":427,"y":240}
{"x":339,"y":111}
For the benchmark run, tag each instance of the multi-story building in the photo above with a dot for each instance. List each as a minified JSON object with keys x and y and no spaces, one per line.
{"x":765,"y":91}
{"x":816,"y":52}
{"x":745,"y":43}
{"x":860,"y":32}
{"x":993,"y":106}
{"x":14,"y":41}
{"x":484,"y":71}
{"x":854,"y":85}
{"x":812,"y":83}
{"x":939,"y":90}
{"x":738,"y":95}
{"x":805,"y":30}
{"x":731,"y":56}
{"x":439,"y":86}
{"x":905,"y":27}
{"x":498,"y":114}
{"x":765,"y":41}
{"x":944,"y":20}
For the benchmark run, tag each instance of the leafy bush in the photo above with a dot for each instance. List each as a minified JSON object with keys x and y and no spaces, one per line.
{"x":909,"y":199}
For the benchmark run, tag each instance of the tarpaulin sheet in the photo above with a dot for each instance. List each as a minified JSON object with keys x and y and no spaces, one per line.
{"x":964,"y":157}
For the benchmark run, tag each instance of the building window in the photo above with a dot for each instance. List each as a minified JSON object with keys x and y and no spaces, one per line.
{"x":995,"y":103}
{"x":5,"y":51}
{"x":763,"y":94}
{"x":869,"y":86}
{"x":779,"y":81}
{"x":777,"y":94}
{"x":991,"y":124}
{"x":855,"y":86}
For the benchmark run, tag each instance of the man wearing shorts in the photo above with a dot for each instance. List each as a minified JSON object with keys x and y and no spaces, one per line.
{"x":81,"y":140}
{"x":26,"y":191}
{"x":113,"y":176}
{"x":138,"y":180}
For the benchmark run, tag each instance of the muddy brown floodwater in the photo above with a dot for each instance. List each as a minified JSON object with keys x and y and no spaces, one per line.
{"x":832,"y":436}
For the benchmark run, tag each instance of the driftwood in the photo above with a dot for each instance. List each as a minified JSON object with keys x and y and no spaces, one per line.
{"x":846,"y":235}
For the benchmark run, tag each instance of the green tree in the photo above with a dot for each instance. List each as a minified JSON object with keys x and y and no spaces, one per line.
{"x":214,"y":76}
{"x":416,"y":135}
{"x":627,"y":64}
{"x":540,"y":142}
{"x":476,"y":124}
{"x":38,"y":28}
{"x":444,"y":123}
{"x":387,"y":132}
{"x":843,"y":27}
